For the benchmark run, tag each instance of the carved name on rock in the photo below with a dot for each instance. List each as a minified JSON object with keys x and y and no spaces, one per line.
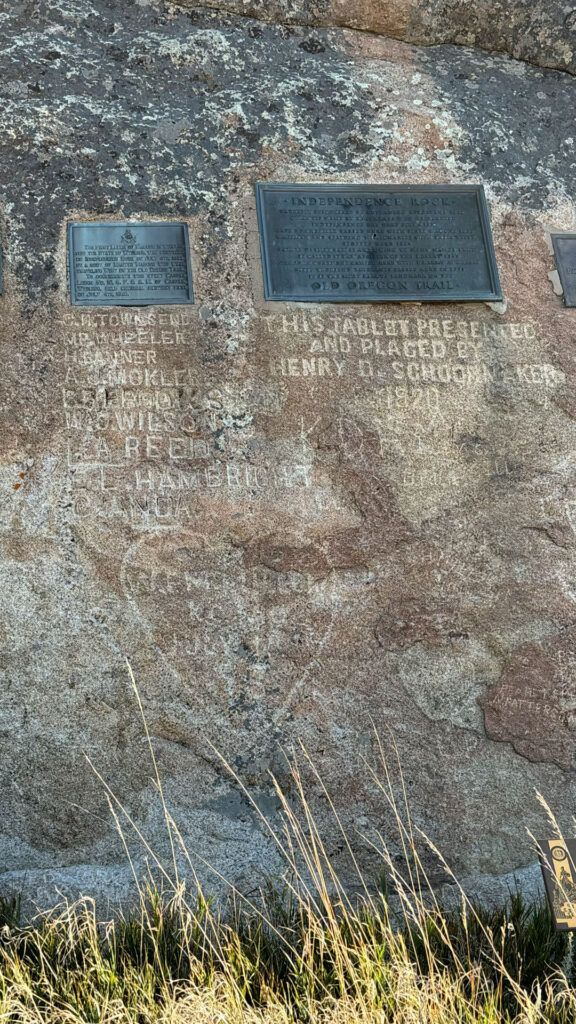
{"x":298,"y":521}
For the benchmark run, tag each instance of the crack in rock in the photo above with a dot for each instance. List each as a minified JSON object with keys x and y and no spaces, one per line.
{"x":542,"y":34}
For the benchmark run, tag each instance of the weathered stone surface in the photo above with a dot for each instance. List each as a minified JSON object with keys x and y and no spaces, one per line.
{"x":295,"y":521}
{"x":542,"y":32}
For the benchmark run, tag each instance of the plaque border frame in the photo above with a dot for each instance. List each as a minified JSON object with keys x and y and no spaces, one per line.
{"x":119,"y":224}
{"x":558,"y":262}
{"x":261,"y":187}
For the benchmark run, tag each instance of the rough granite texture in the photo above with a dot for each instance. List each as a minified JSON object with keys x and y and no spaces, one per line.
{"x":297,"y":522}
{"x":541,"y":32}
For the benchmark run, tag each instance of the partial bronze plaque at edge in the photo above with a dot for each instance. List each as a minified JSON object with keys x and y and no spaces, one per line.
{"x":558,"y":863}
{"x":565,"y":255}
{"x":376,"y":243}
{"x":129,"y":264}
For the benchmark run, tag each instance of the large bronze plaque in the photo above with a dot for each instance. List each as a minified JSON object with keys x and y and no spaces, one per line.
{"x":565,"y":254}
{"x":129,"y":264}
{"x":558,"y":863}
{"x":376,"y":243}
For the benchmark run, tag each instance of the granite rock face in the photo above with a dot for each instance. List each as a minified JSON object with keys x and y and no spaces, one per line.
{"x":298,"y":522}
{"x":542,"y":32}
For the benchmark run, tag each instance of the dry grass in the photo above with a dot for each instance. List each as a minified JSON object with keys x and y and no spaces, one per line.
{"x":303,"y":952}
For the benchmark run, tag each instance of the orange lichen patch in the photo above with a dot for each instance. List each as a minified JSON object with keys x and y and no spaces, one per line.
{"x":420,"y":133}
{"x":390,"y":19}
{"x":21,"y":475}
{"x":16,"y":486}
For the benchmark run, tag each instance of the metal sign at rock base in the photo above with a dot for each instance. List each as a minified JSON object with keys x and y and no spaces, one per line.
{"x":129,"y":264}
{"x":376,"y":243}
{"x":558,"y":863}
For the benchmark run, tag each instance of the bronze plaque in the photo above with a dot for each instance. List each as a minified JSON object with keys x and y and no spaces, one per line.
{"x":129,"y":264}
{"x":565,"y":255}
{"x":376,"y":243}
{"x":558,"y":863}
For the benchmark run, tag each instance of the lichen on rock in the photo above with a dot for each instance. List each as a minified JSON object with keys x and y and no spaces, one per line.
{"x":297,"y":521}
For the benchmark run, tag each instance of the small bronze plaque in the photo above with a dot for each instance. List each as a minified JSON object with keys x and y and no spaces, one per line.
{"x":565,"y":256}
{"x":129,"y":264}
{"x":376,"y":243}
{"x":558,"y":863}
